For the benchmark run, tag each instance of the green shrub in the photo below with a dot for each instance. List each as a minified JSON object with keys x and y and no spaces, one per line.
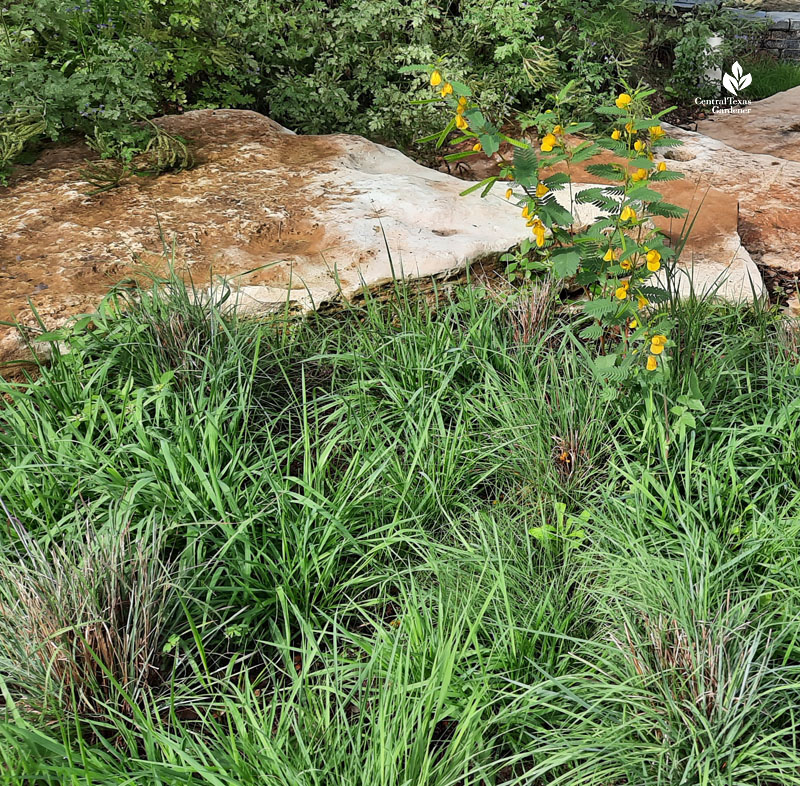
{"x":316,"y":66}
{"x":680,"y":54}
{"x":320,"y":66}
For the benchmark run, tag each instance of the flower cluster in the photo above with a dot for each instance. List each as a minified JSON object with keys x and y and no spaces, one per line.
{"x":613,"y":260}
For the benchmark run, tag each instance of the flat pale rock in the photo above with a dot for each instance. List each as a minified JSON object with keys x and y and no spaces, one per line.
{"x":765,"y":187}
{"x":298,"y":219}
{"x":311,"y":216}
{"x":772,"y":126}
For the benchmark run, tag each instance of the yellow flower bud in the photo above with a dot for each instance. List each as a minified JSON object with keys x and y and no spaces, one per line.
{"x":477,"y":147}
{"x":642,"y":301}
{"x":609,"y":255}
{"x":541,"y":190}
{"x":436,"y":79}
{"x":538,"y":231}
{"x":558,"y":130}
{"x":526,"y":213}
{"x":629,"y":127}
{"x":623,"y":100}
{"x":509,"y":194}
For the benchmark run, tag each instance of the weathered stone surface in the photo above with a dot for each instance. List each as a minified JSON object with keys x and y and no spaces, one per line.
{"x":772,"y":126}
{"x":309,"y":215}
{"x":714,"y":258}
{"x":766,"y":188}
{"x":305,"y":219}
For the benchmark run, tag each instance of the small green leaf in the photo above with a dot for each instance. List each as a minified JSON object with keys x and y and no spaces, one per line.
{"x":565,"y":262}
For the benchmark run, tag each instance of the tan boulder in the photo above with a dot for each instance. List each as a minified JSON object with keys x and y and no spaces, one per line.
{"x":772,"y":126}
{"x":303,"y":219}
{"x":298,"y":217}
{"x":765,"y":188}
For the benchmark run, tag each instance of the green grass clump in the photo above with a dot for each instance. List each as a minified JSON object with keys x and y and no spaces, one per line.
{"x":771,"y":76}
{"x":398,"y":546}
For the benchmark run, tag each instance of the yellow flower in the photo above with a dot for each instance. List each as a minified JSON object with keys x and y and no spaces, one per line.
{"x":656,"y":132}
{"x":623,"y":100}
{"x":609,"y":255}
{"x":525,"y":212}
{"x":653,"y":260}
{"x":541,"y":190}
{"x":509,"y":194}
{"x":642,"y":301}
{"x":616,"y":134}
{"x":640,"y":174}
{"x":621,"y":291}
{"x":625,"y":264}
{"x":548,"y":143}
{"x":462,"y":101}
{"x":657,"y":343}
{"x":652,"y":363}
{"x":538,"y":231}
{"x":446,"y":90}
{"x":436,"y":79}
{"x":633,"y":324}
{"x":460,"y":109}
{"x":662,"y":166}
{"x":629,"y":127}
{"x":558,"y":130}
{"x":477,"y":147}
{"x":628,"y":214}
{"x":638,"y":145}
{"x":461,"y":123}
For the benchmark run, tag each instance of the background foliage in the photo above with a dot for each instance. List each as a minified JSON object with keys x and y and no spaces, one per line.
{"x":315,"y":65}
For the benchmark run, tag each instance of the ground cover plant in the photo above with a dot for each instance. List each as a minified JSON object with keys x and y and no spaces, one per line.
{"x":402,"y":544}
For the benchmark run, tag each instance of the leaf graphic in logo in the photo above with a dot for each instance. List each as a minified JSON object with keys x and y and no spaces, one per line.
{"x":736,"y":80}
{"x":729,"y":83}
